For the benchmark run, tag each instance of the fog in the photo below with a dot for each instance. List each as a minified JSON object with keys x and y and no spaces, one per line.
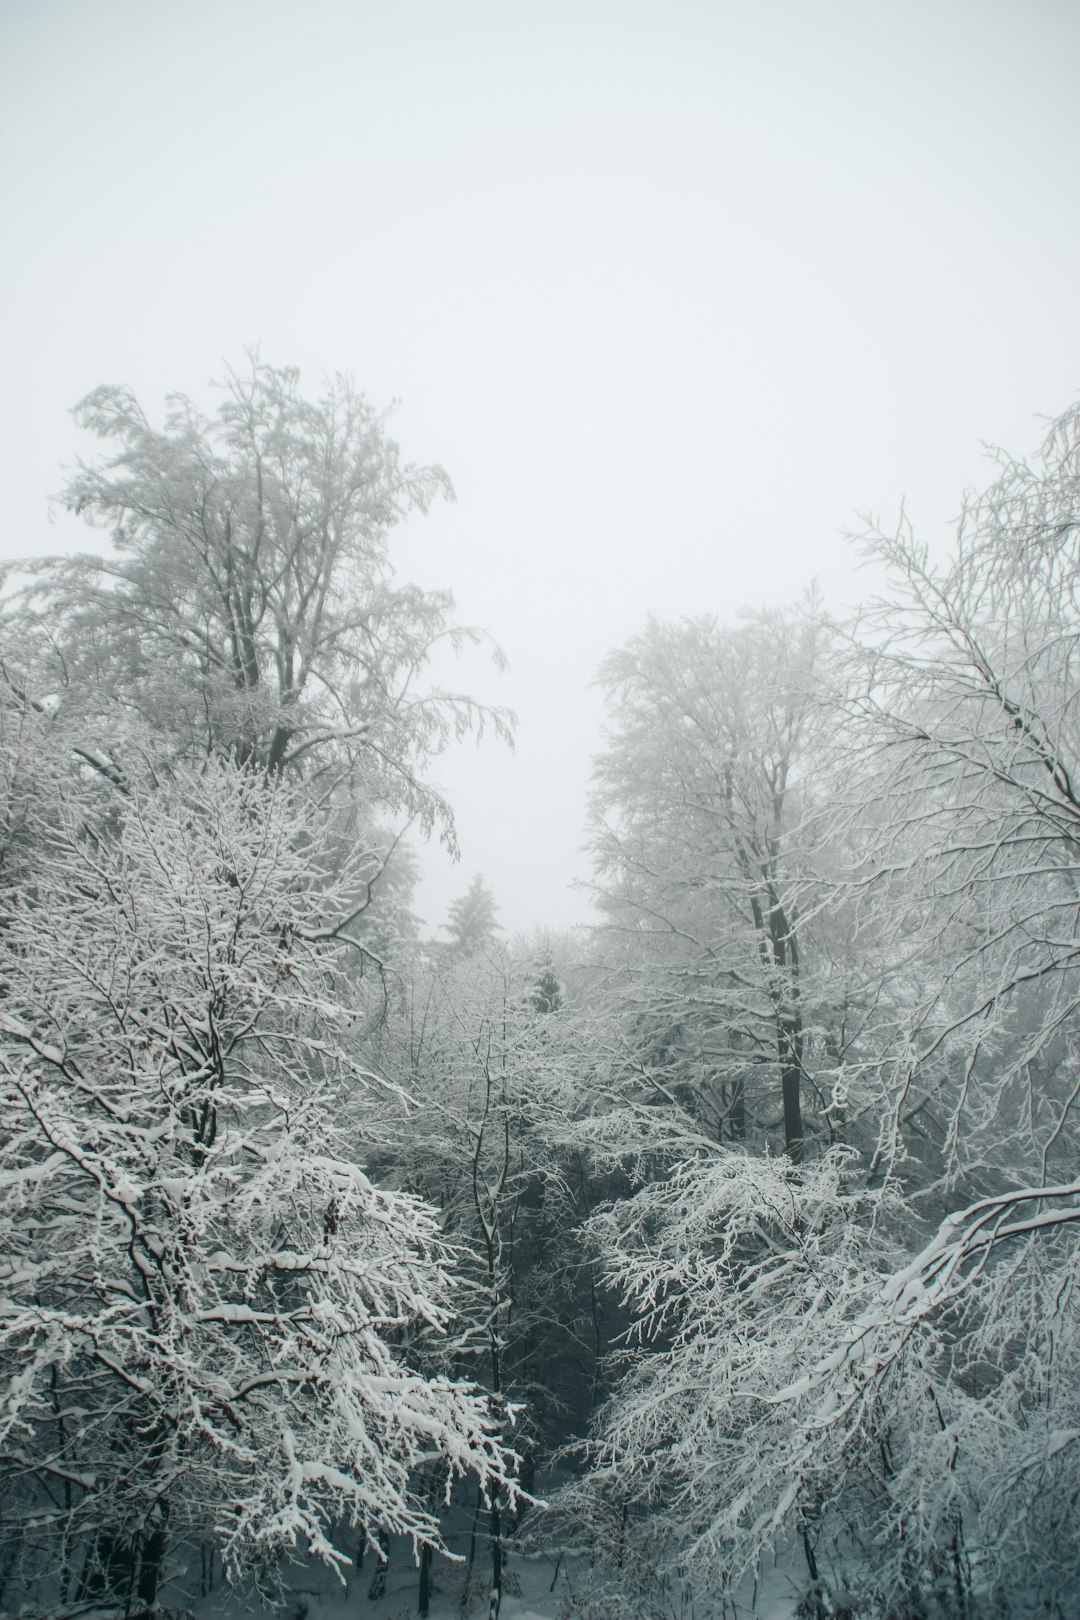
{"x":674,"y":293}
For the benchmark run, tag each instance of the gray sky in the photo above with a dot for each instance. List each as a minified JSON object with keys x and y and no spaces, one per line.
{"x":673,"y":290}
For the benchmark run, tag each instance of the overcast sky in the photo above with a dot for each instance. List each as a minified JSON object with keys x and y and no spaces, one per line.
{"x":673,"y":290}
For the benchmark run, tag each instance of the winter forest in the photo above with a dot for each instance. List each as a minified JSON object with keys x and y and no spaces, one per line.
{"x":730,"y":1239}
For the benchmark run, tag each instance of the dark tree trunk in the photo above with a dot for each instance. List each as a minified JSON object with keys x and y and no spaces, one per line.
{"x":377,"y":1589}
{"x":495,"y":1526}
{"x":109,"y":1571}
{"x":151,"y":1558}
{"x":470,"y":1561}
{"x":784,"y":949}
{"x":423,"y":1602}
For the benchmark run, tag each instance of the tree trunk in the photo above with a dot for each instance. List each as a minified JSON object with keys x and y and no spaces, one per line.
{"x":109,"y":1571}
{"x":377,"y":1589}
{"x":495,"y":1525}
{"x":423,"y":1602}
{"x":151,"y":1557}
{"x":737,"y":1111}
{"x":789,"y":1032}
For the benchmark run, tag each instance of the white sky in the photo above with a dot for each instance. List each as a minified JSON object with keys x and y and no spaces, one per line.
{"x":673,"y":290}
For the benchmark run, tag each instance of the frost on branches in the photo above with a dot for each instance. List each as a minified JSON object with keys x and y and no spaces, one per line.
{"x":200,"y":1290}
{"x":249,"y":606}
{"x":878,"y":1354}
{"x":737,"y":1269}
{"x":908,"y":1431}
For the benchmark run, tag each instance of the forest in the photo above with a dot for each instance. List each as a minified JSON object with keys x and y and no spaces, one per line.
{"x":735,"y":1232}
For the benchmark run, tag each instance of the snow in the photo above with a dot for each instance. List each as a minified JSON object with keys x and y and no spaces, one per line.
{"x":556,"y":1586}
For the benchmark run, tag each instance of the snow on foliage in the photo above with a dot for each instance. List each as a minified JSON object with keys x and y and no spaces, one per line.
{"x":737,"y":1268}
{"x":811,"y":1355}
{"x":249,"y":606}
{"x":200,"y":1288}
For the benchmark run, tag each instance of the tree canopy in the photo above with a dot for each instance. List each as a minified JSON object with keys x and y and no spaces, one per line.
{"x":250,"y":608}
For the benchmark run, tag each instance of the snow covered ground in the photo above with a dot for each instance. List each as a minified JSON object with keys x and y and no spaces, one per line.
{"x":548,"y":1587}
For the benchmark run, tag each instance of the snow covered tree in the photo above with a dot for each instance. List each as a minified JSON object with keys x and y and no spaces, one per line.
{"x":546,"y":995}
{"x":491,"y":1080}
{"x":249,"y":608}
{"x":879,"y":1357}
{"x":202,"y":1293}
{"x":698,"y":801}
{"x":970,"y":716}
{"x":472,"y":919}
{"x":732,"y":1434}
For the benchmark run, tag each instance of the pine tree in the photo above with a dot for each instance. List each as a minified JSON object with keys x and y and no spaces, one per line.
{"x":472,"y":919}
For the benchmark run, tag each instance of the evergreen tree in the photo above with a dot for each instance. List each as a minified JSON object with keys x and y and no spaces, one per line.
{"x":472,"y":920}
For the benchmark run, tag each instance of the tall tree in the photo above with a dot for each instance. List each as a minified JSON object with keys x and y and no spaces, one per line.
{"x":969,"y":715}
{"x":249,"y":608}
{"x":891,"y":1370}
{"x":699,"y":796}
